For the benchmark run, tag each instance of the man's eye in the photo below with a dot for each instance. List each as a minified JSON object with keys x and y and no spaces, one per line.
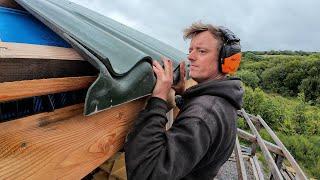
{"x":202,"y":51}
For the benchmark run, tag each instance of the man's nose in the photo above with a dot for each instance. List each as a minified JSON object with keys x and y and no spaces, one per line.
{"x":191,"y":56}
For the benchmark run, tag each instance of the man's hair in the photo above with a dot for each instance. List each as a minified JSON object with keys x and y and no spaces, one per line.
{"x":199,"y":27}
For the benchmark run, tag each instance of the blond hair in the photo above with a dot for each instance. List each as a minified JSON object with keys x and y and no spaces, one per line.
{"x":198,"y":27}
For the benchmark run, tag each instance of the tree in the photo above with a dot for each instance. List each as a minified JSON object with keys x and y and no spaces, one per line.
{"x":311,"y":89}
{"x":257,"y":102}
{"x":249,"y":78}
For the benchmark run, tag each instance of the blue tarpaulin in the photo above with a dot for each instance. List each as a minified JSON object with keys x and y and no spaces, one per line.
{"x":21,"y":27}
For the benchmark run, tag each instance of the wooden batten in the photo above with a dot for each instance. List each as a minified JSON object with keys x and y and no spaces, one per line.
{"x":251,"y":138}
{"x":31,"y":51}
{"x":64,"y":143}
{"x":241,"y":169}
{"x":23,"y":89}
{"x":18,"y":69}
{"x":299,"y":173}
{"x":273,"y":167}
{"x":26,"y":62}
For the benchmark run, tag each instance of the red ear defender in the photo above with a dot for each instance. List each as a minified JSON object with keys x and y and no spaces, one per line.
{"x":230,"y":53}
{"x":231,"y":64}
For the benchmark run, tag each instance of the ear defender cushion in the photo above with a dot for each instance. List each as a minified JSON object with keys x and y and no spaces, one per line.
{"x":231,"y":64}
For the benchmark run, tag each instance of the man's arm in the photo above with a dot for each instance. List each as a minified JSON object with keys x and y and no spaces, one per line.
{"x":154,"y":153}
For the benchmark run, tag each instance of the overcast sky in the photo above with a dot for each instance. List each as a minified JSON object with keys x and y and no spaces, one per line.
{"x":260,"y":24}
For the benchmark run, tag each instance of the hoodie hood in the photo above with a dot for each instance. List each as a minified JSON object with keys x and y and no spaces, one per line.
{"x":229,"y":89}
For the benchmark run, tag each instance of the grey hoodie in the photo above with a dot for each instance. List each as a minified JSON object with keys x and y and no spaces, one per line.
{"x":200,"y":140}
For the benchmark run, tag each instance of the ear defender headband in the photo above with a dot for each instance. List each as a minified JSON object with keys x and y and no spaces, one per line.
{"x":230,"y":53}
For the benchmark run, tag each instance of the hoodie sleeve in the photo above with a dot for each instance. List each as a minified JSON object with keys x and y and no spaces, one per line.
{"x":154,"y":153}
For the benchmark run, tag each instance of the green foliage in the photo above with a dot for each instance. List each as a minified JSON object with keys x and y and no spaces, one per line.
{"x":306,"y":150}
{"x":300,"y":117}
{"x":249,"y":78}
{"x":294,"y":116}
{"x":283,"y":74}
{"x":273,"y":82}
{"x":257,"y":102}
{"x":285,"y":52}
{"x":241,"y":123}
{"x":311,"y":89}
{"x":282,"y":114}
{"x":251,"y":56}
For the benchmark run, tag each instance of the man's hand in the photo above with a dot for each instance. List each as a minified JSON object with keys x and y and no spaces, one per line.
{"x":180,"y":86}
{"x":164,"y":78}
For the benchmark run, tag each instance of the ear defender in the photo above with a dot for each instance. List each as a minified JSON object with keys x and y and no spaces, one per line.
{"x":230,"y":53}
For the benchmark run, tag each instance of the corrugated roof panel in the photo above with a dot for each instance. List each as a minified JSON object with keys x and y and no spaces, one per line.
{"x":122,"y":54}
{"x":122,"y":46}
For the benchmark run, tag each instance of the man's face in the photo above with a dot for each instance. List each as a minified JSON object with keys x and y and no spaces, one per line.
{"x":203,"y":57}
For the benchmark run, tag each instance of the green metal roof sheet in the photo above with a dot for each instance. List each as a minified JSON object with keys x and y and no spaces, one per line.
{"x":121,"y":54}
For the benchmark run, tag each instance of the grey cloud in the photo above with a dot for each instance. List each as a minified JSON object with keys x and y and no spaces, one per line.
{"x":261,"y":25}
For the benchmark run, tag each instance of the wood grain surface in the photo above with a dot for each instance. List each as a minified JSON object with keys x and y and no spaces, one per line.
{"x":23,"y":89}
{"x":32,"y":51}
{"x":63,"y":144}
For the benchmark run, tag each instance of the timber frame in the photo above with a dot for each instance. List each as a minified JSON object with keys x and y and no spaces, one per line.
{"x":62,"y":143}
{"x":65,"y":144}
{"x":274,"y":154}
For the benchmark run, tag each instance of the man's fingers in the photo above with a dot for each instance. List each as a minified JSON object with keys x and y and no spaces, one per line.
{"x":171,"y":69}
{"x":164,"y":80}
{"x":167,"y":66}
{"x":165,"y":63}
{"x":157,"y":65}
{"x":156,"y":71}
{"x":182,"y":70}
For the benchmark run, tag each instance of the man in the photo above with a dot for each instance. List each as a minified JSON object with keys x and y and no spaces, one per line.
{"x":203,"y":135}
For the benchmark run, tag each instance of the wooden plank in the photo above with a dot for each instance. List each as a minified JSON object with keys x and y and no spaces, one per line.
{"x":254,"y":169}
{"x":252,"y":117}
{"x":119,"y":168}
{"x":10,"y":4}
{"x":289,"y":174}
{"x":28,"y":69}
{"x":279,"y":160}
{"x":241,"y":169}
{"x":254,"y":145}
{"x":26,"y":61}
{"x":300,"y":174}
{"x":23,"y":89}
{"x":273,"y":167}
{"x":249,"y":137}
{"x":31,"y":51}
{"x":258,"y":167}
{"x":63,"y":144}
